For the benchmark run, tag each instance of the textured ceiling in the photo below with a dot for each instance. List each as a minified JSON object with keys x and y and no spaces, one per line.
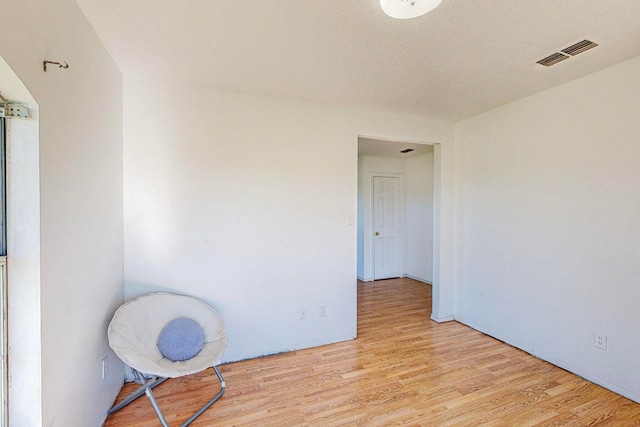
{"x":465,"y":57}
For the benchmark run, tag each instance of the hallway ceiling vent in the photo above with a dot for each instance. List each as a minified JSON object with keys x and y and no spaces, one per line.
{"x":407,"y":150}
{"x":567,"y":53}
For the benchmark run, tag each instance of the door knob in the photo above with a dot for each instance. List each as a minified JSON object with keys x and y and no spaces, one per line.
{"x":377,"y":233}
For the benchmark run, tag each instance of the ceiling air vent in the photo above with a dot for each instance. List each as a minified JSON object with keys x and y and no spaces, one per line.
{"x":567,"y":53}
{"x":407,"y":150}
{"x":553,"y":59}
{"x":579,"y":47}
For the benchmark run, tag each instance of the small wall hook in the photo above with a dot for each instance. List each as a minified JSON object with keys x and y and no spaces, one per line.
{"x":60,"y":65}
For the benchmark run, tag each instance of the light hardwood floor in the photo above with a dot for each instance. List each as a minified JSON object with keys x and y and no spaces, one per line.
{"x":403,"y":369}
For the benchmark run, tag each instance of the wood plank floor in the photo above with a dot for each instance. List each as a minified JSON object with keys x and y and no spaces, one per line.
{"x":403,"y":369}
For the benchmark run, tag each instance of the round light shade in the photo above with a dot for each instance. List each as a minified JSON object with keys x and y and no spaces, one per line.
{"x":406,"y":9}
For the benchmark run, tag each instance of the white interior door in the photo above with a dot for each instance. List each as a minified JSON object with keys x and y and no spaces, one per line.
{"x":387,"y":220}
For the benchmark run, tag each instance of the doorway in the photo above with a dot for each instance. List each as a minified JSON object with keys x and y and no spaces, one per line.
{"x":410,"y":168}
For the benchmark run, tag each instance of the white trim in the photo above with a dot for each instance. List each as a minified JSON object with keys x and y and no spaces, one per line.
{"x":418,"y":279}
{"x":567,"y":366}
{"x":442,"y":319}
{"x":623,"y":391}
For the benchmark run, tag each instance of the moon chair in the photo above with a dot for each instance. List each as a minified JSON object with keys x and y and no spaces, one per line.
{"x":141,"y":334}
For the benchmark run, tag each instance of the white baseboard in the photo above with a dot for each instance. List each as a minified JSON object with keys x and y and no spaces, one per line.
{"x":419,"y":279}
{"x":409,"y":276}
{"x":442,"y":319}
{"x":622,"y":391}
{"x":568,"y":366}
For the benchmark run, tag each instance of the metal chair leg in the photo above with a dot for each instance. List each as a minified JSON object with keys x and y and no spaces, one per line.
{"x":211,"y":402}
{"x":156,"y":408}
{"x":136,"y":394}
{"x":147,"y":388}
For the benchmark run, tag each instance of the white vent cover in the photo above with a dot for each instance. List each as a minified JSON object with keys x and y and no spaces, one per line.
{"x":567,"y":53}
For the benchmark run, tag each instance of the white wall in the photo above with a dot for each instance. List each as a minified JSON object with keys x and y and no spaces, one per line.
{"x":244,"y":201}
{"x":73,"y":263}
{"x":419,"y":211}
{"x":446,"y":230}
{"x":550,"y":225}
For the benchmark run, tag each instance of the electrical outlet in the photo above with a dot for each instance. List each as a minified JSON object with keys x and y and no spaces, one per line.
{"x":105,"y":366}
{"x":600,"y":341}
{"x":303,"y":313}
{"x":322,"y":311}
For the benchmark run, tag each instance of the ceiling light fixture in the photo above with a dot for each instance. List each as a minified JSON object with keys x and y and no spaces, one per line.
{"x":407,"y":9}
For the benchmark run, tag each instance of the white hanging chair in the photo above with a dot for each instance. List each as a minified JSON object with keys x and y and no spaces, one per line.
{"x":133,"y":336}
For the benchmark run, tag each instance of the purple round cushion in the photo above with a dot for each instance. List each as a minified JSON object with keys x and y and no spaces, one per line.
{"x":181,"y":339}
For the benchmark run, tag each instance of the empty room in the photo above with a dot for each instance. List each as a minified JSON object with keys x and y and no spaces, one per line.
{"x":395,"y":212}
